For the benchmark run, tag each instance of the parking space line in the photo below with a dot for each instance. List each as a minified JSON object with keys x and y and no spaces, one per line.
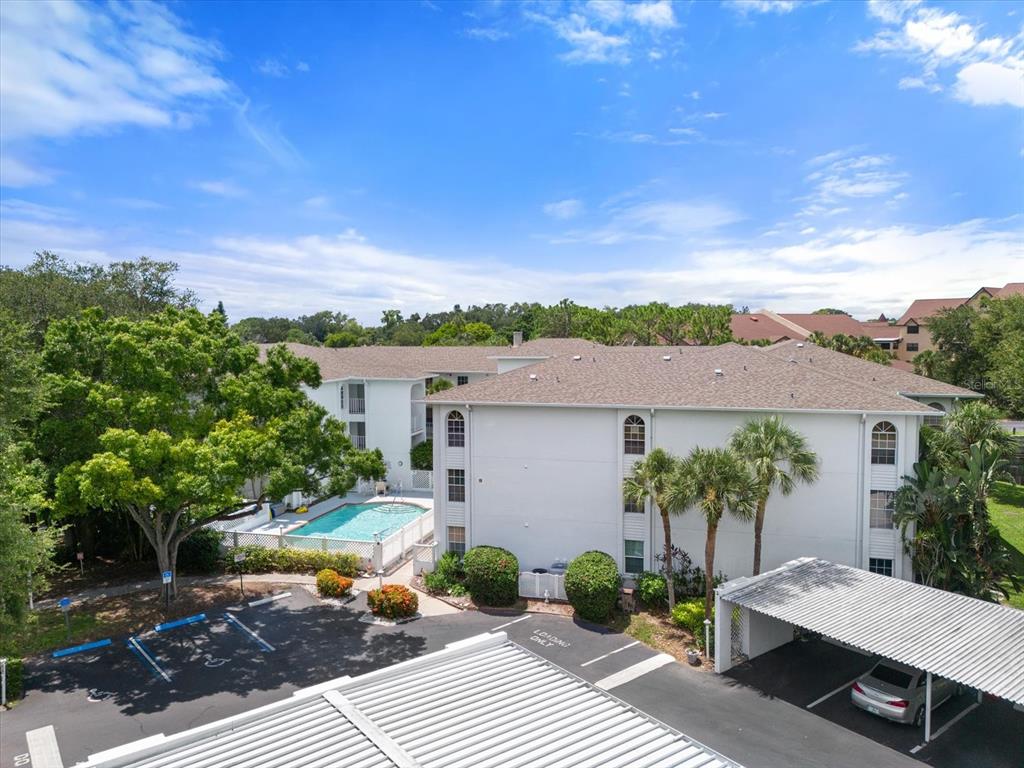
{"x":946,"y":727}
{"x":272,"y":598}
{"x":632,"y":673}
{"x":830,"y":694}
{"x":180,"y":622}
{"x":138,"y":648}
{"x":266,"y":646}
{"x":611,"y":653}
{"x":510,"y":623}
{"x":42,"y":748}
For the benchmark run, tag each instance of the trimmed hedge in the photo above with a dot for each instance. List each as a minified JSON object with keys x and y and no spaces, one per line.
{"x":290,"y":560}
{"x":492,"y":575}
{"x":393,"y":601}
{"x":200,"y":552}
{"x":14,"y":680}
{"x":592,"y":585}
{"x":330,"y":583}
{"x":690,"y":616}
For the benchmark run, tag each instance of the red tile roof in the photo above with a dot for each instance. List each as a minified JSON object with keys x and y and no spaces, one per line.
{"x":755,"y":326}
{"x":829,"y":325}
{"x":922,"y":309}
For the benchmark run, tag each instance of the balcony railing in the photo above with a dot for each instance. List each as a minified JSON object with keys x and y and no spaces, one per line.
{"x":359,"y":441}
{"x":357,"y":405}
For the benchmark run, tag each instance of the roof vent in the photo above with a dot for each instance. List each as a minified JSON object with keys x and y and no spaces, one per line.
{"x":577,"y":357}
{"x":666,"y":358}
{"x":718,"y":372}
{"x":799,"y":345}
{"x":533,"y":377}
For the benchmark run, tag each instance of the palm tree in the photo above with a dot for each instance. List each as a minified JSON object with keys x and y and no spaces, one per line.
{"x":714,"y":480}
{"x":651,"y":479}
{"x":779,"y":458}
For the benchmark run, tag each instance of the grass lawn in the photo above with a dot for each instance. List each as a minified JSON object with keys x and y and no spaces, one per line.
{"x":1006,"y":506}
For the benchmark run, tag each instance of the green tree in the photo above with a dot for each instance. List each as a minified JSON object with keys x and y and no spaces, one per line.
{"x":779,"y":458}
{"x":651,"y":478}
{"x":830,"y":311}
{"x":439,"y":384}
{"x":175,"y":421}
{"x":715,"y":481}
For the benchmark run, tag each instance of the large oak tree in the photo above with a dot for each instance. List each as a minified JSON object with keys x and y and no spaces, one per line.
{"x":177,"y":422}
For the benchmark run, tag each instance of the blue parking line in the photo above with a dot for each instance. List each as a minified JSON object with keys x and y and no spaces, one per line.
{"x":263,"y":643}
{"x":136,"y":647}
{"x":180,"y":622}
{"x":80,"y":648}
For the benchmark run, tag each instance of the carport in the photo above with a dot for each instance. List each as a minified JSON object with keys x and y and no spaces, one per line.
{"x":977,"y":644}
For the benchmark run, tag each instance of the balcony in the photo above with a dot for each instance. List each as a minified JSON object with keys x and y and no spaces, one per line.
{"x":357,"y":405}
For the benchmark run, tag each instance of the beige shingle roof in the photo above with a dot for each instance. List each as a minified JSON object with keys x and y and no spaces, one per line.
{"x":889,"y":378}
{"x":750,"y":379}
{"x":421,"y":362}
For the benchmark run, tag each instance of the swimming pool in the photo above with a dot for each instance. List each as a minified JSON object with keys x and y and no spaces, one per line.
{"x":359,"y":522}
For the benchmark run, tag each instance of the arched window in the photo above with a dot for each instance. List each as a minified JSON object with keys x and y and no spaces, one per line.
{"x":633,"y":432}
{"x":456,"y":430}
{"x":883,"y":443}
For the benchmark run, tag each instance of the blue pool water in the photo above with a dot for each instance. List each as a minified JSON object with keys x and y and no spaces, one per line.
{"x":360,"y":521}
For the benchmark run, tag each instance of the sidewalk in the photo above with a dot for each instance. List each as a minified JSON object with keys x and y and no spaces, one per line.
{"x":429,"y":606}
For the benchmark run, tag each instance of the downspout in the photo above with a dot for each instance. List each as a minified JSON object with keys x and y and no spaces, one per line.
{"x":861,"y":480}
{"x":649,"y":554}
{"x":470,"y":485}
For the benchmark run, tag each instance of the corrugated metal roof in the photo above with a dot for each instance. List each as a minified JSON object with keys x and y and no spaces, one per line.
{"x":481,"y":703}
{"x":978,"y":644}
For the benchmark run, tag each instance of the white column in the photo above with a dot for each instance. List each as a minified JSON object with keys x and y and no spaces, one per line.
{"x":723,"y":634}
{"x":928,"y":709}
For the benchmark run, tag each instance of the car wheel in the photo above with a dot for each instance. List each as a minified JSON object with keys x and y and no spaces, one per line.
{"x":919,"y":716}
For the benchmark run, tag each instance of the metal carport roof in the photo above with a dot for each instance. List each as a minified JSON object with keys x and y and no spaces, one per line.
{"x":978,"y":644}
{"x":480,"y":703}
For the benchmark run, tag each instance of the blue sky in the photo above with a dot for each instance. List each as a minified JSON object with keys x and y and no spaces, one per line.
{"x":358,"y":156}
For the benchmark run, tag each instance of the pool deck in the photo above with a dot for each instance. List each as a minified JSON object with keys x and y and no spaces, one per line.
{"x":290,"y":521}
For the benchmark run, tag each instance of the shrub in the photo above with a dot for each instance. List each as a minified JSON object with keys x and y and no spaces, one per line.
{"x":592,"y":585}
{"x":650,"y":588}
{"x":14,"y":680}
{"x":690,"y":616}
{"x":200,"y":552}
{"x":291,"y":560}
{"x":492,"y":575}
{"x":330,"y":583}
{"x":393,"y":601}
{"x":422,"y":455}
{"x":446,"y":574}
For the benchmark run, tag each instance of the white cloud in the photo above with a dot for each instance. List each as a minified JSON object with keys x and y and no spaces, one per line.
{"x":845,"y":175}
{"x":302,"y":67}
{"x":18,"y":173}
{"x":219,"y":188}
{"x":564,"y":209}
{"x":655,"y":220}
{"x":272,"y":68}
{"x":493,"y":34}
{"x":988,"y":83}
{"x":746,"y":7}
{"x":989,"y":71}
{"x":317,"y":203}
{"x":67,"y":68}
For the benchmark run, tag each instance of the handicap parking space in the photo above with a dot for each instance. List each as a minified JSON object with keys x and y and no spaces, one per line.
{"x":817,"y":676}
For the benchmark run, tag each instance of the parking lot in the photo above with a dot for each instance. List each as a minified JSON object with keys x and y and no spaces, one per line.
{"x":217,"y":666}
{"x":817,"y":675}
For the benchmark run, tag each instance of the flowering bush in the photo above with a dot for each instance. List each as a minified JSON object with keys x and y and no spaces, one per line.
{"x":393,"y":601}
{"x":330,"y":583}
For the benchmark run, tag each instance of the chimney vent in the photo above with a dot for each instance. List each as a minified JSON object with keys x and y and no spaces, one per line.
{"x":718,"y":372}
{"x":533,"y":377}
{"x":517,"y":339}
{"x":577,"y":357}
{"x":666,"y":358}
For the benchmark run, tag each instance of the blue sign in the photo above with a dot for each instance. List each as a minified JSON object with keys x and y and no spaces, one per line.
{"x":166,"y":576}
{"x":65,"y":603}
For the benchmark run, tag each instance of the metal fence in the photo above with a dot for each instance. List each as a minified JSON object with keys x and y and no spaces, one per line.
{"x":542,"y":585}
{"x":376,"y":555}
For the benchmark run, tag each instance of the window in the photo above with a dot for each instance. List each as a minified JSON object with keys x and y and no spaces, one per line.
{"x":457,"y":485}
{"x":341,"y":396}
{"x":880,"y":565}
{"x":357,"y":398}
{"x":889,"y":674}
{"x":460,"y":380}
{"x":430,"y":422}
{"x":632,"y":507}
{"x":935,"y":420}
{"x":457,"y":539}
{"x":911,"y":329}
{"x":634,"y":556}
{"x":456,"y":430}
{"x":883,"y":443}
{"x":357,"y":431}
{"x":883,"y":504}
{"x":911,"y":346}
{"x":633,"y":431}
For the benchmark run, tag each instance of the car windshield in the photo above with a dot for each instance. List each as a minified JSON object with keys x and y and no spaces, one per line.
{"x":891,"y":675}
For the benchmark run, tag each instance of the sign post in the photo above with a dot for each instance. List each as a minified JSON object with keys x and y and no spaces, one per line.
{"x":166,"y":577}
{"x":239,"y":559}
{"x":65,"y":607}
{"x":81,"y":562}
